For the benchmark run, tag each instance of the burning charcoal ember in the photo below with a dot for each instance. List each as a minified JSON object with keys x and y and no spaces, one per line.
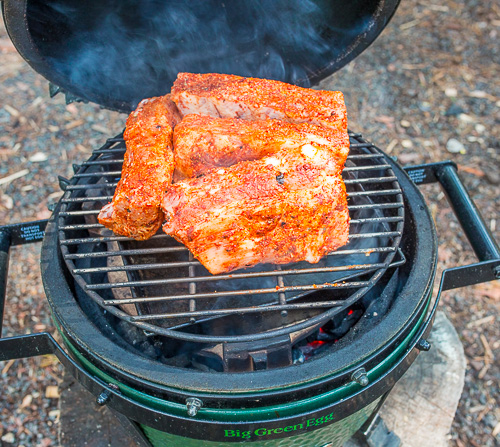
{"x":342,"y":323}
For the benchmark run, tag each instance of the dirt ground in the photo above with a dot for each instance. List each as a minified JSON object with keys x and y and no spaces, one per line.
{"x":430,"y":78}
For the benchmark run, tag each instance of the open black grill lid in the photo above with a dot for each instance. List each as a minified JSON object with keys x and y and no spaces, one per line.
{"x":117,"y":52}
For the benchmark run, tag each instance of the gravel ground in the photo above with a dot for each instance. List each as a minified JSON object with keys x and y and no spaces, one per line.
{"x":430,"y":79}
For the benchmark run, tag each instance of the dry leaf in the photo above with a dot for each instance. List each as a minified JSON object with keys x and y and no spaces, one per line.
{"x":471,"y":170}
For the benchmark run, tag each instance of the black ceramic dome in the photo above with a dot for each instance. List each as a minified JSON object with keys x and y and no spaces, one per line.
{"x":116,"y":52}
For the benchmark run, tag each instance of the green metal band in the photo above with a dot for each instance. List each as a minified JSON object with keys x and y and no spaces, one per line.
{"x":288,"y":409}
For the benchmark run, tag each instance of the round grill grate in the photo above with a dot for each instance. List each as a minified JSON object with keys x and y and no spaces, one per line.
{"x":158,"y":286}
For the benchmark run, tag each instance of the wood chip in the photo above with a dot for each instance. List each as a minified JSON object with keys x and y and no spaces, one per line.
{"x":52,"y":392}
{"x":73,"y":124}
{"x":409,"y":25}
{"x":487,"y":350}
{"x":483,"y":372}
{"x":82,"y":148}
{"x":481,"y":321}
{"x":27,"y":401}
{"x":6,"y":368}
{"x":48,"y":360}
{"x":391,"y":146}
{"x":413,"y":66}
{"x":496,"y":430}
{"x":11,"y":110}
{"x":101,"y":129}
{"x":12,"y":177}
{"x":481,"y":95}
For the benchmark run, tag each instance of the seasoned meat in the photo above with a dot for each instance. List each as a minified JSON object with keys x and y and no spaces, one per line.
{"x":229,"y":96}
{"x":147,"y":169}
{"x":287,"y":207}
{"x":202,"y":143}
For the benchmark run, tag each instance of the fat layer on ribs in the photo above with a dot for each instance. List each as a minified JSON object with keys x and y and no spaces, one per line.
{"x":287,"y":207}
{"x":147,"y":170}
{"x":202,"y":143}
{"x":230,"y":96}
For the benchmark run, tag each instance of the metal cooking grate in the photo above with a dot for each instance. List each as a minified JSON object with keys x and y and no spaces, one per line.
{"x":158,"y":286}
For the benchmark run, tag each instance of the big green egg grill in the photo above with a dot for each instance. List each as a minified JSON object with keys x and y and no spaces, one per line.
{"x":292,"y":355}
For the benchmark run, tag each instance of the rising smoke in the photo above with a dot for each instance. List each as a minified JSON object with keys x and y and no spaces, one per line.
{"x":120,"y":51}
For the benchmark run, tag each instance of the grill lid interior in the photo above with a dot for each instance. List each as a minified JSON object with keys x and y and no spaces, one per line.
{"x":115,"y":52}
{"x":157,"y":286}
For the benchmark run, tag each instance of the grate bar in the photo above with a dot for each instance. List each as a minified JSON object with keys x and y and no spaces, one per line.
{"x":347,"y":285}
{"x":134,"y":267}
{"x":86,"y":199}
{"x":360,"y":181}
{"x":386,"y":192}
{"x":370,"y":235}
{"x":118,"y":150}
{"x":97,"y":240}
{"x":366,"y":206}
{"x":86,"y":187}
{"x":373,"y":220}
{"x":365,"y":168}
{"x":242,"y":310}
{"x":234,"y":276}
{"x":148,"y":251}
{"x":102,"y":162}
{"x":139,"y":251}
{"x":347,"y":182}
{"x":364,"y":156}
{"x":377,"y":220}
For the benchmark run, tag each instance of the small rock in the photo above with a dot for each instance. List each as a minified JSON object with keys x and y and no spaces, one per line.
{"x":454,"y":110}
{"x":6,"y":202}
{"x":8,"y":438}
{"x":466,"y":118}
{"x":38,"y":157}
{"x":480,"y":128}
{"x":425,"y":106}
{"x":474,"y":139}
{"x":493,"y":176}
{"x":54,"y":414}
{"x":407,"y":144}
{"x":451,"y":92}
{"x":408,"y":158}
{"x":455,"y":147}
{"x":405,"y":123}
